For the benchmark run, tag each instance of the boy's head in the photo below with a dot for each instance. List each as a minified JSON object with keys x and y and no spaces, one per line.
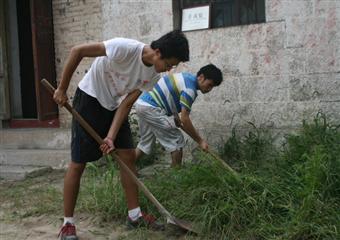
{"x":208,"y":77}
{"x":171,"y":49}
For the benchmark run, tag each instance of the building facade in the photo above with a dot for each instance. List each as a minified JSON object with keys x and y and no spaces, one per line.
{"x":280,"y":58}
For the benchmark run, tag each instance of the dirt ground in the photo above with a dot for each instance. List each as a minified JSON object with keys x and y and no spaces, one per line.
{"x":28,"y":212}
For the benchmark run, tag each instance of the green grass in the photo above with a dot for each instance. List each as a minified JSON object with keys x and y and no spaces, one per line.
{"x":288,"y":192}
{"x":101,"y":192}
{"x":284,"y":192}
{"x":31,"y":197}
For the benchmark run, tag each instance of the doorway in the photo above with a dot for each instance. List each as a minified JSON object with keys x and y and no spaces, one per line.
{"x":31,"y":58}
{"x":23,"y":91}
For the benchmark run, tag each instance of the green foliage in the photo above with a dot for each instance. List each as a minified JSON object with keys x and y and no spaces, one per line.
{"x":315,"y":153}
{"x":255,"y":149}
{"x":284,"y":193}
{"x":101,"y":191}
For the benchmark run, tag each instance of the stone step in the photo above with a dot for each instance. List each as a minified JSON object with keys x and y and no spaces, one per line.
{"x":35,"y":157}
{"x":35,"y":138}
{"x":15,"y":172}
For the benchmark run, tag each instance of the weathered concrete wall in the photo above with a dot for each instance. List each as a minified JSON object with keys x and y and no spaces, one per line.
{"x":276,"y":73}
{"x":138,"y":19}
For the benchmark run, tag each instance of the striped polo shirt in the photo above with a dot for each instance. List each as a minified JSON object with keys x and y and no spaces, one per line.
{"x":172,"y":93}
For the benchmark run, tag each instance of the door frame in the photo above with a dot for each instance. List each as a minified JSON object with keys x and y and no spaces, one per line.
{"x":4,"y":90}
{"x":44,"y":67}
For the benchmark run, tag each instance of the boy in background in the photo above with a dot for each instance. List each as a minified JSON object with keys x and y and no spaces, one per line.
{"x":173,"y":94}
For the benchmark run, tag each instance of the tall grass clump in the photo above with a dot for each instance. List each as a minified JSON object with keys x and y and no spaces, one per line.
{"x":288,"y":192}
{"x":251,"y":152}
{"x":312,"y":161}
{"x":101,"y":191}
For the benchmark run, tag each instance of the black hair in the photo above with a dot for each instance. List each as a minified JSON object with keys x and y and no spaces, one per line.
{"x":173,"y":45}
{"x":212,"y":72}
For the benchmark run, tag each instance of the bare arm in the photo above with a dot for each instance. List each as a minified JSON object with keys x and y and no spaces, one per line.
{"x":76,"y":55}
{"x":188,"y":127}
{"x":120,"y":116}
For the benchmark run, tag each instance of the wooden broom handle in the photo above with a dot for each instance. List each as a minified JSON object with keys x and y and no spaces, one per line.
{"x":99,"y":140}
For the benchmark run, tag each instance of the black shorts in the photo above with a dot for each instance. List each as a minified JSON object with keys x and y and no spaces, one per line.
{"x":83,"y":147}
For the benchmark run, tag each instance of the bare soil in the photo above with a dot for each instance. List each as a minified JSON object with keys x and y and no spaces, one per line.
{"x":32,"y":210}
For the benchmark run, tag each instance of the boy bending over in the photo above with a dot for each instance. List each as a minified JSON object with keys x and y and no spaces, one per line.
{"x":156,"y":110}
{"x":123,"y":68}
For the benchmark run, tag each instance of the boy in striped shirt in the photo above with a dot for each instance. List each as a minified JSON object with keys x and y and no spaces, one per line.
{"x":158,"y":108}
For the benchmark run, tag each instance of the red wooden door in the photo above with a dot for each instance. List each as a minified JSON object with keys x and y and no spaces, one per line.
{"x":43,"y":56}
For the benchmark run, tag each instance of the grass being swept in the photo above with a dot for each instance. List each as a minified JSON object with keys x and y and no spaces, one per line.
{"x":292,"y":192}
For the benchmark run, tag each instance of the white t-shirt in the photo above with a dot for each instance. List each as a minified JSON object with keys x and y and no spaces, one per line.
{"x":121,"y":71}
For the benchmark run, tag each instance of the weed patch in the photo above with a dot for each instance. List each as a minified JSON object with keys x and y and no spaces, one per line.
{"x":291,"y":192}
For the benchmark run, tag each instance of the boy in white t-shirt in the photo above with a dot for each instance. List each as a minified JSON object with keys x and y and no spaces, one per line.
{"x":123,"y":68}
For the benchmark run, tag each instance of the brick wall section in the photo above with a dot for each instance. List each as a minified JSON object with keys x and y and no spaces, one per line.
{"x":75,"y":22}
{"x":276,"y":73}
{"x":82,"y":21}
